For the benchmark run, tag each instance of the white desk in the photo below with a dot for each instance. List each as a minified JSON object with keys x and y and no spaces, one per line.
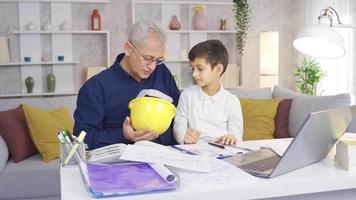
{"x":322,"y":180}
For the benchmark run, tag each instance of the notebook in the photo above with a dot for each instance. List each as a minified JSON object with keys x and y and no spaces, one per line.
{"x":314,"y":140}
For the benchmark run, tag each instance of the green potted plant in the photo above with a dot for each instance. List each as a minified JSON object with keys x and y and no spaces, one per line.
{"x":242,"y":15}
{"x":308,"y":75}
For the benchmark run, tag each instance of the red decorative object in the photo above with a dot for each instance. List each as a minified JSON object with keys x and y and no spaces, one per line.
{"x":95,"y":20}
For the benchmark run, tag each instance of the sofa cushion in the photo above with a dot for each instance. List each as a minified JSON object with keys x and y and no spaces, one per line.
{"x":302,"y":105}
{"x":14,"y":131}
{"x":258,"y":118}
{"x":261,"y":93}
{"x":281,"y":121}
{"x":31,"y":178}
{"x":4,"y":154}
{"x":43,"y":127}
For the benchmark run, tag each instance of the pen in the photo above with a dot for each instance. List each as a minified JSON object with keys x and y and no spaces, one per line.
{"x":217,"y":145}
{"x":183,"y":150}
{"x":75,"y":146}
{"x":65,"y":136}
{"x":59,"y":135}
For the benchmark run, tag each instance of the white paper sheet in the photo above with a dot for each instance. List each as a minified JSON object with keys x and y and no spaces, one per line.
{"x":167,"y":157}
{"x":203,"y":148}
{"x":222,"y":176}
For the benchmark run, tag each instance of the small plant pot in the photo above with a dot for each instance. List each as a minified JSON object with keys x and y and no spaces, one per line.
{"x":60,"y":58}
{"x":27,"y":59}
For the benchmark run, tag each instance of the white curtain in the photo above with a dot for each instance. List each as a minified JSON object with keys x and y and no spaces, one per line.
{"x":340,"y":72}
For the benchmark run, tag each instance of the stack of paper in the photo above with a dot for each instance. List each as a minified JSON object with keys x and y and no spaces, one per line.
{"x":346,"y":153}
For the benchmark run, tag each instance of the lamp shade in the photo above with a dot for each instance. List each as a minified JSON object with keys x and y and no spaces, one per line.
{"x":320,"y":41}
{"x":269,"y":58}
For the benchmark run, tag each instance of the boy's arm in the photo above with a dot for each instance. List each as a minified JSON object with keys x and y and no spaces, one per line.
{"x":181,"y":119}
{"x":235,"y":120}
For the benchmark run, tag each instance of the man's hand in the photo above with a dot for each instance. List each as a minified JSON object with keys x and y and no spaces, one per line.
{"x":227,"y":139}
{"x":134,"y":136}
{"x":191,"y":136}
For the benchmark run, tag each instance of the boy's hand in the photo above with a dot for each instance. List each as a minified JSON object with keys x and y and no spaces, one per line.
{"x":227,"y":139}
{"x":131,"y":135}
{"x":191,"y":136}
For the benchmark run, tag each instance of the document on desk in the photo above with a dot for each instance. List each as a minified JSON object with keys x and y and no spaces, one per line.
{"x":222,"y":176}
{"x":203,"y":148}
{"x":197,"y":163}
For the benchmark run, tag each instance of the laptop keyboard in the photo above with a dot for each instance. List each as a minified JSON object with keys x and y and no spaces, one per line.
{"x":262,"y":165}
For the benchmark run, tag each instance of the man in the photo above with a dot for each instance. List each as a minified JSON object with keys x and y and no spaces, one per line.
{"x":102,"y":104}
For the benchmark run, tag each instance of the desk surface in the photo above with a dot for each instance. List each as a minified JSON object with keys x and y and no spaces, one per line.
{"x":323,"y":176}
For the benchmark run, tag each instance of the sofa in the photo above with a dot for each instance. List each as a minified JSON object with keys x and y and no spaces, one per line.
{"x":31,"y":178}
{"x":34,"y":178}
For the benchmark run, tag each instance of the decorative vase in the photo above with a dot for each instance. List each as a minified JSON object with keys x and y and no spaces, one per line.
{"x":51,"y":83}
{"x":29,"y":84}
{"x":174,"y":24}
{"x":222,"y":24}
{"x":199,"y":21}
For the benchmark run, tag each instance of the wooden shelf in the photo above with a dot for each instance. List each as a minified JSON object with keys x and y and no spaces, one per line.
{"x":62,"y":32}
{"x":40,"y":63}
{"x":39,"y":94}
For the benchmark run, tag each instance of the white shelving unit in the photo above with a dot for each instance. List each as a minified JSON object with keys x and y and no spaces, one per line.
{"x":61,"y":45}
{"x":59,"y":1}
{"x":38,"y":94}
{"x":179,"y":42}
{"x":40,"y":63}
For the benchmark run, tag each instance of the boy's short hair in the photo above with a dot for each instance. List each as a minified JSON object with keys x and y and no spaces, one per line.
{"x":213,"y":51}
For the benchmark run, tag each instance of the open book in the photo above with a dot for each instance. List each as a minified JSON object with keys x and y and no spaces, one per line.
{"x":146,"y":151}
{"x":112,"y":153}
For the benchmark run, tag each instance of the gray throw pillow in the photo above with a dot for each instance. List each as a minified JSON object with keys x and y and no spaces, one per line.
{"x":261,"y":93}
{"x":302,"y":105}
{"x":352,"y":126}
{"x":4,"y":154}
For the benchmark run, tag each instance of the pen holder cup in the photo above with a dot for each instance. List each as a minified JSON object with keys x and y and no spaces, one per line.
{"x":78,"y":154}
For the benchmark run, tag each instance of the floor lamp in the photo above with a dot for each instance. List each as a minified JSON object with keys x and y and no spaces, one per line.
{"x":322,"y":40}
{"x":269,"y":58}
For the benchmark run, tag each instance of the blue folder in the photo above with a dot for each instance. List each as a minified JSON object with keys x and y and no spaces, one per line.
{"x":106,"y":180}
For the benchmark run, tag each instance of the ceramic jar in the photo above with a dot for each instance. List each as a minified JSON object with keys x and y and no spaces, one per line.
{"x":29,"y":81}
{"x":31,"y":26}
{"x":66,"y":26}
{"x":51,"y":83}
{"x":199,"y":20}
{"x":174,"y":24}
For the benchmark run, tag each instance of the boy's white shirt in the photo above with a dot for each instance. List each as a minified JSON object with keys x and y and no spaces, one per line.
{"x":214,"y":116}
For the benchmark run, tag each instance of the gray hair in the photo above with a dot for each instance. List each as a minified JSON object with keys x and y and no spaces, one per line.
{"x":144,"y":28}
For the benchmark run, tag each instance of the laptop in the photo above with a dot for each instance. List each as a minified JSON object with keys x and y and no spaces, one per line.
{"x":314,"y":140}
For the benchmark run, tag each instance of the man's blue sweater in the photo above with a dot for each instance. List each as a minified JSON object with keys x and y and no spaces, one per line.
{"x":102,"y":103}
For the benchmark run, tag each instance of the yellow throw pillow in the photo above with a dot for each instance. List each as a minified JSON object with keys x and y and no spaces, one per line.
{"x":43,"y":127}
{"x":258,"y":117}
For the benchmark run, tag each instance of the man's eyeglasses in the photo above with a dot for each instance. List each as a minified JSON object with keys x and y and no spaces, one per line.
{"x":148,"y":59}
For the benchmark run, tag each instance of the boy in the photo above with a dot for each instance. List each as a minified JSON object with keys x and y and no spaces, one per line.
{"x":206,"y":110}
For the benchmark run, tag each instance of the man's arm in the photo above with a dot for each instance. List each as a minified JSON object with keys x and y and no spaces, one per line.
{"x":89,"y":116}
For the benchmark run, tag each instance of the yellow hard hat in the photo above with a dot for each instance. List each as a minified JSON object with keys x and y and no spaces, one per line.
{"x":153,"y":113}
